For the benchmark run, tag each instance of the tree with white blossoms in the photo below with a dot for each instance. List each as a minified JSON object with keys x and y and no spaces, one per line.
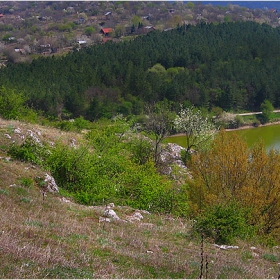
{"x":199,"y":130}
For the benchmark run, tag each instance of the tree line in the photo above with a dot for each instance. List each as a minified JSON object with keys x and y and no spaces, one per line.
{"x":234,"y":66}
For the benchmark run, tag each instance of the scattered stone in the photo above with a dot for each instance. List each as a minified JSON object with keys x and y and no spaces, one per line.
{"x":17,"y":130}
{"x":7,"y":136}
{"x":135,"y":217}
{"x":63,"y":199}
{"x":5,"y":158}
{"x":225,"y":247}
{"x":111,"y":205}
{"x":169,"y":219}
{"x":255,"y":255}
{"x":104,"y":220}
{"x":73,"y":143}
{"x":149,"y":252}
{"x":110,"y":213}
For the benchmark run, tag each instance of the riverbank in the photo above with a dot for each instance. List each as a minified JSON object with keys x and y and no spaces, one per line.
{"x":252,"y":126}
{"x":235,"y":129}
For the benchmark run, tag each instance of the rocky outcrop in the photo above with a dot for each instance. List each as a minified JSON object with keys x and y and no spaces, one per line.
{"x":111,"y":214}
{"x":50,"y":185}
{"x":171,"y":161}
{"x":47,"y":184}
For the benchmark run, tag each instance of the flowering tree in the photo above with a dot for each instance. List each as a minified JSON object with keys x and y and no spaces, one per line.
{"x":198,"y":129}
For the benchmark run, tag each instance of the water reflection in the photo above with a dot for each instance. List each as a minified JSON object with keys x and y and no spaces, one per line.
{"x":269,"y":134}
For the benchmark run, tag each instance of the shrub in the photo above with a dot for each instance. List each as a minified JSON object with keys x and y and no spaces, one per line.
{"x":29,"y":151}
{"x":11,"y":104}
{"x":224,"y":223}
{"x":110,"y":175}
{"x":66,"y":125}
{"x":267,"y":110}
{"x":141,"y":149}
{"x":239,"y":121}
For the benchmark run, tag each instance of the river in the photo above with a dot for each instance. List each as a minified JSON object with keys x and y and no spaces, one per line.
{"x":270,"y":134}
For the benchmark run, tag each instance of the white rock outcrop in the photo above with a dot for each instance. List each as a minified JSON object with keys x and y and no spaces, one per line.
{"x":110,"y":213}
{"x":50,"y":185}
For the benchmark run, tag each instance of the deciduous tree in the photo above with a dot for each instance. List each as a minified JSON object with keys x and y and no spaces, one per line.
{"x":230,"y":171}
{"x":199,"y":130}
{"x":159,"y":124}
{"x":267,"y":109}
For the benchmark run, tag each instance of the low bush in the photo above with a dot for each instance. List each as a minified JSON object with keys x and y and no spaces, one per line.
{"x":94,"y":179}
{"x":224,"y":223}
{"x":114,"y":167}
{"x":29,"y":151}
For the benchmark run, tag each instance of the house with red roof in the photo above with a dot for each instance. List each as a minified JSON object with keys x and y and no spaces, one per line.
{"x":106,"y":31}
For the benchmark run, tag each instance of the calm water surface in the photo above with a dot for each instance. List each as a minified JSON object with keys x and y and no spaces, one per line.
{"x":269,"y":134}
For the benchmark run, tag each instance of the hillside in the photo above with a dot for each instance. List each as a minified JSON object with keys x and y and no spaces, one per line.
{"x":226,"y":65}
{"x":52,"y":237}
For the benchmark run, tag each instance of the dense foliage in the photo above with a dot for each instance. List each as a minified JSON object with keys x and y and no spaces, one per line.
{"x":232,"y":191}
{"x":107,"y":167}
{"x":230,"y":172}
{"x":231,"y":65}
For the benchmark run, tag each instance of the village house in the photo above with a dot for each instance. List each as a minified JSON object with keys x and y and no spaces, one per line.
{"x":106,"y":31}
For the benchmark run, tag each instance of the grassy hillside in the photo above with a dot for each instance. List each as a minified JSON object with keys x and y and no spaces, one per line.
{"x":56,"y":238}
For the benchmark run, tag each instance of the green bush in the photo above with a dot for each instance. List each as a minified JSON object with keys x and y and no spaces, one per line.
{"x":66,"y":125}
{"x":141,"y":150}
{"x":11,"y":104}
{"x":29,"y":151}
{"x":77,"y":124}
{"x":224,"y":223}
{"x":108,"y":170}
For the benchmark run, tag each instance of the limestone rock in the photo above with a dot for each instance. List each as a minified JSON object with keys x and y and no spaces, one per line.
{"x":51,"y":185}
{"x":104,"y":220}
{"x":110,"y":213}
{"x":226,"y":247}
{"x":135,"y":217}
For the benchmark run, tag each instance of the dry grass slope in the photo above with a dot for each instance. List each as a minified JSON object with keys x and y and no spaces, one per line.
{"x":52,"y":238}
